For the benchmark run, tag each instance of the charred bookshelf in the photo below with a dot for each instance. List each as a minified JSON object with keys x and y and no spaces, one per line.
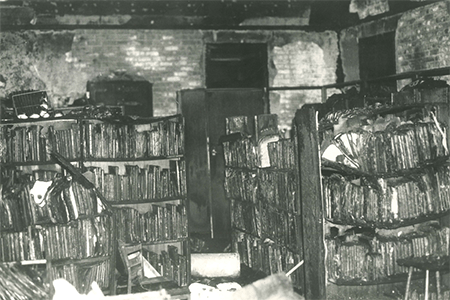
{"x":136,"y":166}
{"x":261,"y":183}
{"x":376,"y":176}
{"x":67,"y":229}
{"x":140,"y":169}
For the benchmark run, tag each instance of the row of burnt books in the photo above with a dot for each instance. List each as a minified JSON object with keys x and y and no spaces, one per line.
{"x":387,"y":201}
{"x":124,"y":141}
{"x":79,"y":239}
{"x":98,"y":272}
{"x":246,"y":153}
{"x":418,"y":294}
{"x":11,"y":215}
{"x":241,"y":153}
{"x":139,"y":184}
{"x":241,"y":184}
{"x":34,"y":143}
{"x":163,"y":222}
{"x":64,"y":201}
{"x":169,"y":263}
{"x":264,"y":221}
{"x":365,"y":260}
{"x":276,"y":188}
{"x":408,"y":146}
{"x":279,"y":189}
{"x":37,"y":202}
{"x":266,"y":256}
{"x":435,"y":243}
{"x":355,"y":263}
{"x":282,"y":154}
{"x":82,"y":276}
{"x":101,"y":140}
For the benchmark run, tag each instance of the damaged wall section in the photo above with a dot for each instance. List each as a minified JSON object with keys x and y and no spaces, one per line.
{"x":421,"y":40}
{"x":304,"y":59}
{"x":61,"y":62}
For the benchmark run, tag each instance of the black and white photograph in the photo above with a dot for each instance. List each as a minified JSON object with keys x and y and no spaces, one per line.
{"x":224,"y":150}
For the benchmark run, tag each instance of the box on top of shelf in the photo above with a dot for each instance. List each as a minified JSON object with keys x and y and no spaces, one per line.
{"x":30,"y":104}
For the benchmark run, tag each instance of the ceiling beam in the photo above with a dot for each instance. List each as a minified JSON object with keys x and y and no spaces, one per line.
{"x":311,"y":15}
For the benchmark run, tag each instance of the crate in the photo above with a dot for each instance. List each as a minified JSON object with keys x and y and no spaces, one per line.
{"x":29,"y":103}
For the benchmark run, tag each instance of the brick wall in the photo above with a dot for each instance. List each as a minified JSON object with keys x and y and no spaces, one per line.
{"x":61,"y":62}
{"x":171,"y":60}
{"x":423,"y":39}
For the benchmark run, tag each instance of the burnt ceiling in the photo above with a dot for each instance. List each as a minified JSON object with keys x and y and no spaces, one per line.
{"x":187,"y":14}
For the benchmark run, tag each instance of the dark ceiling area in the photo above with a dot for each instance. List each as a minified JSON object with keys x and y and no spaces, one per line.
{"x":187,"y":14}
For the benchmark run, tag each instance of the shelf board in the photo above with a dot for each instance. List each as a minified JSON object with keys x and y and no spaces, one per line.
{"x":393,"y":225}
{"x":38,"y":120}
{"x":179,"y":240}
{"x":245,"y":169}
{"x":146,"y":201}
{"x":281,"y":170}
{"x":268,"y":169}
{"x":126,"y":119}
{"x":61,"y":261}
{"x":81,"y":261}
{"x":331,"y":166}
{"x":387,"y":280}
{"x":36,"y":163}
{"x":173,"y":157}
{"x":430,"y":262}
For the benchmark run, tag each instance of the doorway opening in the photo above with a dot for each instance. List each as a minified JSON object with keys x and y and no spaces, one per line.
{"x":236,"y":65}
{"x":377,"y":59}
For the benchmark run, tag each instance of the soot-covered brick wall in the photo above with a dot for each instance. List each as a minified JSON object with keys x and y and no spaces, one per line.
{"x":170,"y":60}
{"x":423,"y":38}
{"x":62,"y":62}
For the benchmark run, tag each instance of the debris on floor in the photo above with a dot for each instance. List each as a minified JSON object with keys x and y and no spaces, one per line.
{"x":277,"y":286}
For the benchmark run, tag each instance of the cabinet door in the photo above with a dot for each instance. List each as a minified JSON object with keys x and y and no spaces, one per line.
{"x":205,"y":112}
{"x":192,"y":106}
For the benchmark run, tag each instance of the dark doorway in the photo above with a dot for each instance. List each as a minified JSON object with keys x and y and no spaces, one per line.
{"x":377,"y":58}
{"x":236,"y":66}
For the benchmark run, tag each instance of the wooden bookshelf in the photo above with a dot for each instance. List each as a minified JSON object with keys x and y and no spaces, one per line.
{"x":264,"y":218}
{"x":87,"y":142}
{"x":143,"y":179}
{"x":370,"y":188}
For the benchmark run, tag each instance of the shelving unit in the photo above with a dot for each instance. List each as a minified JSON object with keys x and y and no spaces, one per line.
{"x":67,"y":233}
{"x":366,"y":172}
{"x":136,"y":166}
{"x":264,"y":214}
{"x":147,"y":191}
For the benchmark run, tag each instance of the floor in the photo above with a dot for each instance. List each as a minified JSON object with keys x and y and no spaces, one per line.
{"x":202,"y":244}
